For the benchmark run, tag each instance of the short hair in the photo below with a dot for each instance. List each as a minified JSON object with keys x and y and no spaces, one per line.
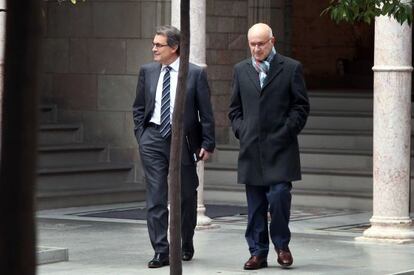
{"x":173,"y":36}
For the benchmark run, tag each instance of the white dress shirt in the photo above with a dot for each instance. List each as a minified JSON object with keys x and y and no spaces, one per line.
{"x":156,"y":116}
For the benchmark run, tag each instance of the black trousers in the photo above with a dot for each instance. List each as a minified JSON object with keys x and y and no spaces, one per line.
{"x":155,"y":155}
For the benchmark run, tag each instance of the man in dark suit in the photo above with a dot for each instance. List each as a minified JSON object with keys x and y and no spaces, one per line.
{"x":152,"y":112}
{"x":269,"y":107}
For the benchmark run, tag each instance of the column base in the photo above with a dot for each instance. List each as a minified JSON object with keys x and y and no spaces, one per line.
{"x":399,"y":231}
{"x":204,"y":222}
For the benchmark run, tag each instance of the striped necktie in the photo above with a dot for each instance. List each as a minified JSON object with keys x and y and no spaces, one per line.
{"x":165,"y":127}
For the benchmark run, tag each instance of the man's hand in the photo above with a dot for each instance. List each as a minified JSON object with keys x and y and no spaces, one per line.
{"x":204,"y":154}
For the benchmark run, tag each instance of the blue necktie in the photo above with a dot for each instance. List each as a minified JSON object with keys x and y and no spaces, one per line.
{"x":165,"y":128}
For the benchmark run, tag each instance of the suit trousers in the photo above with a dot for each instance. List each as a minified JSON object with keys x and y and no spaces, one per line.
{"x":155,"y":155}
{"x":275,"y":199}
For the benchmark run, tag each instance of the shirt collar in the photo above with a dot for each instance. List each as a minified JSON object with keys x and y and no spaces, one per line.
{"x":174,"y":66}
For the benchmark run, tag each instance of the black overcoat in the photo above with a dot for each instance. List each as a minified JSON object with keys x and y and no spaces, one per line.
{"x":268,"y":120}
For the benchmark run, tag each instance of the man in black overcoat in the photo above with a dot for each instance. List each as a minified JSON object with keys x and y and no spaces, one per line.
{"x":269,"y":107}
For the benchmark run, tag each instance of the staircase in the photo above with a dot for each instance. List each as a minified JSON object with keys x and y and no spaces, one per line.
{"x":73,"y":173}
{"x":336,"y":156}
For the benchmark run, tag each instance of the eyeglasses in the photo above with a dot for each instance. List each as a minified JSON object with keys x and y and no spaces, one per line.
{"x":158,"y":45}
{"x":259,"y":44}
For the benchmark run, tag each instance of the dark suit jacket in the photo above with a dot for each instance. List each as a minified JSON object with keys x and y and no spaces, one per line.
{"x":267,"y":121}
{"x":198,"y":108}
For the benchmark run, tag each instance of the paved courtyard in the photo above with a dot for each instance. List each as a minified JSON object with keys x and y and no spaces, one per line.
{"x":113,"y":240}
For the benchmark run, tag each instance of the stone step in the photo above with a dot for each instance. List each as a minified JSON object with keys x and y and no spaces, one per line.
{"x":69,"y":154}
{"x":336,"y":155}
{"x":310,"y":157}
{"x":346,"y":100}
{"x":48,"y":255}
{"x":58,"y":133}
{"x":331,"y":138}
{"x":312,"y":178}
{"x":123,"y":192}
{"x":336,"y":138}
{"x":346,"y":120}
{"x":336,"y":187}
{"x":336,"y":159}
{"x":339,"y":120}
{"x":83,"y":177}
{"x":235,"y":194}
{"x":316,"y":187}
{"x":331,"y":158}
{"x":47,"y":113}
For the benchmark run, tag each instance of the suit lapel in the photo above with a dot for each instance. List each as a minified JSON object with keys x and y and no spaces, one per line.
{"x":253,"y":76}
{"x":154,"y":75}
{"x":275,"y":68}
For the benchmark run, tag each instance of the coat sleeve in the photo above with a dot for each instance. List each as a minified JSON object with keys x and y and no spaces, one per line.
{"x":299,"y":102}
{"x":235,"y":110}
{"x":138,"y":108}
{"x":205,"y":112}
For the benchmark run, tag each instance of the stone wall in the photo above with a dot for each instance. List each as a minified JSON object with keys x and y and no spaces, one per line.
{"x":226,"y":45}
{"x":93,"y":50}
{"x":227,"y":25}
{"x":333,"y":55}
{"x":92,"y":53}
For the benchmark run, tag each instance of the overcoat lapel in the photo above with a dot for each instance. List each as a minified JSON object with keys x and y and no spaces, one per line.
{"x":252,"y":73}
{"x":275,"y":68}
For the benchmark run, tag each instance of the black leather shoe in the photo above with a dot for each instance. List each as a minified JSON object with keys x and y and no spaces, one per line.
{"x":159,"y":260}
{"x":187,"y":253}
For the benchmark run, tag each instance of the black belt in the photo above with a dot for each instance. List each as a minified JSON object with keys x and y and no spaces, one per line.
{"x":153,"y":125}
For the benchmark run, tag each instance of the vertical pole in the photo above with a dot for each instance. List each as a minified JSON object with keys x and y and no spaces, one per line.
{"x":19,"y":138}
{"x":197,"y":56}
{"x":174,"y":173}
{"x":2,"y":41}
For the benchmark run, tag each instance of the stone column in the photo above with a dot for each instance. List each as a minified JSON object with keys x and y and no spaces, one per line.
{"x":197,"y":56}
{"x":2,"y":41}
{"x":259,"y":11}
{"x":277,"y":14}
{"x":392,"y":133}
{"x":175,"y":14}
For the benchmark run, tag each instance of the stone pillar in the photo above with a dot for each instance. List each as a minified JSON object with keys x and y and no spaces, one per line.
{"x":259,"y":11}
{"x":277,"y":14}
{"x":392,"y":133}
{"x":2,"y":41}
{"x":197,"y":56}
{"x":175,"y":14}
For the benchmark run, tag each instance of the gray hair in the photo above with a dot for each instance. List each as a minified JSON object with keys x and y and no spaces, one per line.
{"x":172,"y":34}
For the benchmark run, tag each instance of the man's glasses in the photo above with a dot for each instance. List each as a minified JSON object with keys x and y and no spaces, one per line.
{"x":259,"y":44}
{"x":158,"y":45}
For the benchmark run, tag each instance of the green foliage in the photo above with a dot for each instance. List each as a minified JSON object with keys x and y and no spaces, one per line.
{"x":366,"y":10}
